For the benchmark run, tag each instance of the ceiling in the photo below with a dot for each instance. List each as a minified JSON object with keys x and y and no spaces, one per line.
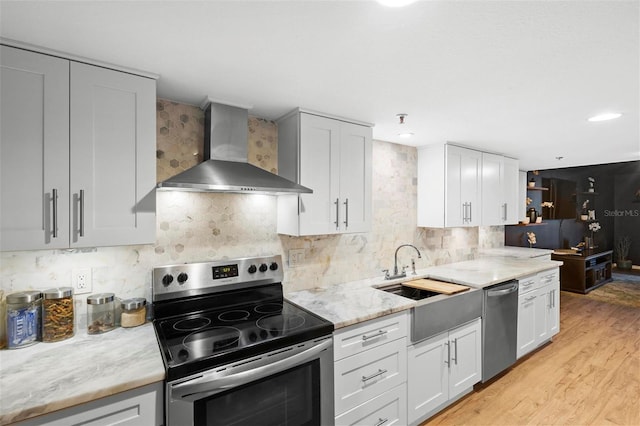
{"x":513,"y":77}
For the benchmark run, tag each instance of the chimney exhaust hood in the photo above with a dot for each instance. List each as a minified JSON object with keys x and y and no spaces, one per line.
{"x":226,"y":168}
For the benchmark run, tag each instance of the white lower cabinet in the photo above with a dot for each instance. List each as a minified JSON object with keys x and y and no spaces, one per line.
{"x":538,"y":310}
{"x":142,"y":406}
{"x":387,"y":409}
{"x":370,"y":372}
{"x":443,"y":368}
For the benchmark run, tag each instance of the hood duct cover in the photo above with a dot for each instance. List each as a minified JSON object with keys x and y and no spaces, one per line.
{"x":226,"y":168}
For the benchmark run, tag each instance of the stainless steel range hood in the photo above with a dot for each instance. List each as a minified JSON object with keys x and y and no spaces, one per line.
{"x":225,"y":168}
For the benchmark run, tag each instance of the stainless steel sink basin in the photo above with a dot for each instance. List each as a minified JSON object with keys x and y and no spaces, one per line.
{"x":436,"y":312}
{"x":409,"y":292}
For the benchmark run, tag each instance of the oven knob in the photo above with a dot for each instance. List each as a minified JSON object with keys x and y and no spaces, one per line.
{"x":273,"y":266}
{"x":253,"y":336}
{"x":182,"y":278}
{"x":263,"y":267}
{"x":252,"y":269}
{"x":167,"y":279}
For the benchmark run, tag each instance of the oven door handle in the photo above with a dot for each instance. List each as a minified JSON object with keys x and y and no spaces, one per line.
{"x":204,"y":386}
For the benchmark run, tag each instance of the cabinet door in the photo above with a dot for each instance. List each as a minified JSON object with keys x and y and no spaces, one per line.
{"x":541,"y":308}
{"x":112,"y":141}
{"x":428,"y":379}
{"x":463,"y":187}
{"x":511,"y":190}
{"x":526,"y":323}
{"x":355,"y":177}
{"x":34,"y":150}
{"x":553,"y":311}
{"x":466,"y":358}
{"x":493,"y":209}
{"x":319,"y":170}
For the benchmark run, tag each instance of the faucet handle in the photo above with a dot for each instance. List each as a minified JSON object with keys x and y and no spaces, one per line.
{"x":404,"y":268}
{"x":386,"y":273}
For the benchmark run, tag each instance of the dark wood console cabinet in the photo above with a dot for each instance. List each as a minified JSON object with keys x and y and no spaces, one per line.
{"x":585,"y":272}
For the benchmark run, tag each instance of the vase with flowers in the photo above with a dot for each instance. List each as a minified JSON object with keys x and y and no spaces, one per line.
{"x":593,"y":227}
{"x":531,"y":238}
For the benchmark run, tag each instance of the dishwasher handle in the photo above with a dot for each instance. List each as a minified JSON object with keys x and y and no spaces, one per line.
{"x":502,"y":292}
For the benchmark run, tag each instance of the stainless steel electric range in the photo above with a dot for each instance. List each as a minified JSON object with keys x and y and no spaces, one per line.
{"x":235,"y":351}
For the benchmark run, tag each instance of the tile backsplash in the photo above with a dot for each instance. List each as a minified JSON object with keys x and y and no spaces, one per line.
{"x":200,"y":226}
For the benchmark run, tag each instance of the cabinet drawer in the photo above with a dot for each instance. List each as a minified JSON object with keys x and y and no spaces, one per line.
{"x":527,"y":284}
{"x":368,"y":374}
{"x":549,"y":277}
{"x":388,"y":409}
{"x":368,"y":335}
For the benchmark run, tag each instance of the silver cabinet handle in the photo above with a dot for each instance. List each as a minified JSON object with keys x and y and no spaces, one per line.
{"x":81,"y":219}
{"x":470,"y":213}
{"x":337,"y":222}
{"x":371,"y":336}
{"x":346,"y":213}
{"x":455,"y":350}
{"x":381,"y":421}
{"x":504,"y":212}
{"x":529,"y":299}
{"x":448,"y":360}
{"x":374,"y":375}
{"x":54,"y":199}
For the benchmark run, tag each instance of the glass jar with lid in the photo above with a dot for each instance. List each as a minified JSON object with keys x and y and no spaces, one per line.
{"x":24,"y":320}
{"x":134,"y":312}
{"x":101,"y":313}
{"x":57,"y":314}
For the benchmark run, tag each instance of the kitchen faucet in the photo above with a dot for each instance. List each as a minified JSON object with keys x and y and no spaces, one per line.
{"x":395,"y":264}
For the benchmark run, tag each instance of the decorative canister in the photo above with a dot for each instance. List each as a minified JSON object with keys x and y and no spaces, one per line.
{"x":533,"y":215}
{"x":101,"y":313}
{"x":23,"y":318}
{"x":134,"y":312}
{"x":57,"y":314}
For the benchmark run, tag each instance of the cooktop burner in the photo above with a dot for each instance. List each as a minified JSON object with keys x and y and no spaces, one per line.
{"x":220,"y":336}
{"x":216,"y":313}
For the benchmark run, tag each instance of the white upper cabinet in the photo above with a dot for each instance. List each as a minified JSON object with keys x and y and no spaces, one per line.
{"x":78,"y":154}
{"x":332,"y":157}
{"x":449,"y":186}
{"x":500,"y":190}
{"x":34,"y":150}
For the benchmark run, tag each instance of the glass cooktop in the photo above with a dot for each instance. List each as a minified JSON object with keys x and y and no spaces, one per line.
{"x":195,"y":342}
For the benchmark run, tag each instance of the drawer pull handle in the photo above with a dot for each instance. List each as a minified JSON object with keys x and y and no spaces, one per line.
{"x":372,"y":336}
{"x":381,"y":421}
{"x":374,"y":375}
{"x":529,"y":299}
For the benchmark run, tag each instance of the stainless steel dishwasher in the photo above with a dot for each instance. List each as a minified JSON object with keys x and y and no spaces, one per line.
{"x":499,"y":328}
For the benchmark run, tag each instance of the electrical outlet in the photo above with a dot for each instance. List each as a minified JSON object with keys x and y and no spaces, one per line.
{"x":296,"y":257}
{"x":81,"y":279}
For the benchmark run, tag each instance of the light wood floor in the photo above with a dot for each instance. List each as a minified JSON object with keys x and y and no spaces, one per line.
{"x":589,"y":375}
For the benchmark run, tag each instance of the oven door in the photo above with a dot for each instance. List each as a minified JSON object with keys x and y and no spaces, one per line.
{"x":289,"y":386}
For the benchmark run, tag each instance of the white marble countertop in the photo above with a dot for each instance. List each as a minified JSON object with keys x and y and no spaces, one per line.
{"x":47,"y":377}
{"x":353,"y":302}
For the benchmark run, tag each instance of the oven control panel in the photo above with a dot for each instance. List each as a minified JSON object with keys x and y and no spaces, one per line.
{"x":192,"y":279}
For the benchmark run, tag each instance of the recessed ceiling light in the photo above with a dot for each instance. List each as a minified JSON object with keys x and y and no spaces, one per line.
{"x":604,"y":117}
{"x":395,"y":3}
{"x":406,"y":135}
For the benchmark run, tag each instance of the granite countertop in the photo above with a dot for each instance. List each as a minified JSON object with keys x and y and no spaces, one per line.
{"x":353,"y":302}
{"x":46,"y":377}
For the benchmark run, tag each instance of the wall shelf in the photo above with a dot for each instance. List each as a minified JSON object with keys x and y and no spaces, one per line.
{"x":537,"y":188}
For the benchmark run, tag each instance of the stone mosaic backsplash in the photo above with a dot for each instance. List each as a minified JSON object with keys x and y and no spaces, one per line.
{"x":201,"y":226}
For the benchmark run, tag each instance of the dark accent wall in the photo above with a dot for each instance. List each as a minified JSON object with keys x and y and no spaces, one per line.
{"x":616,"y":201}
